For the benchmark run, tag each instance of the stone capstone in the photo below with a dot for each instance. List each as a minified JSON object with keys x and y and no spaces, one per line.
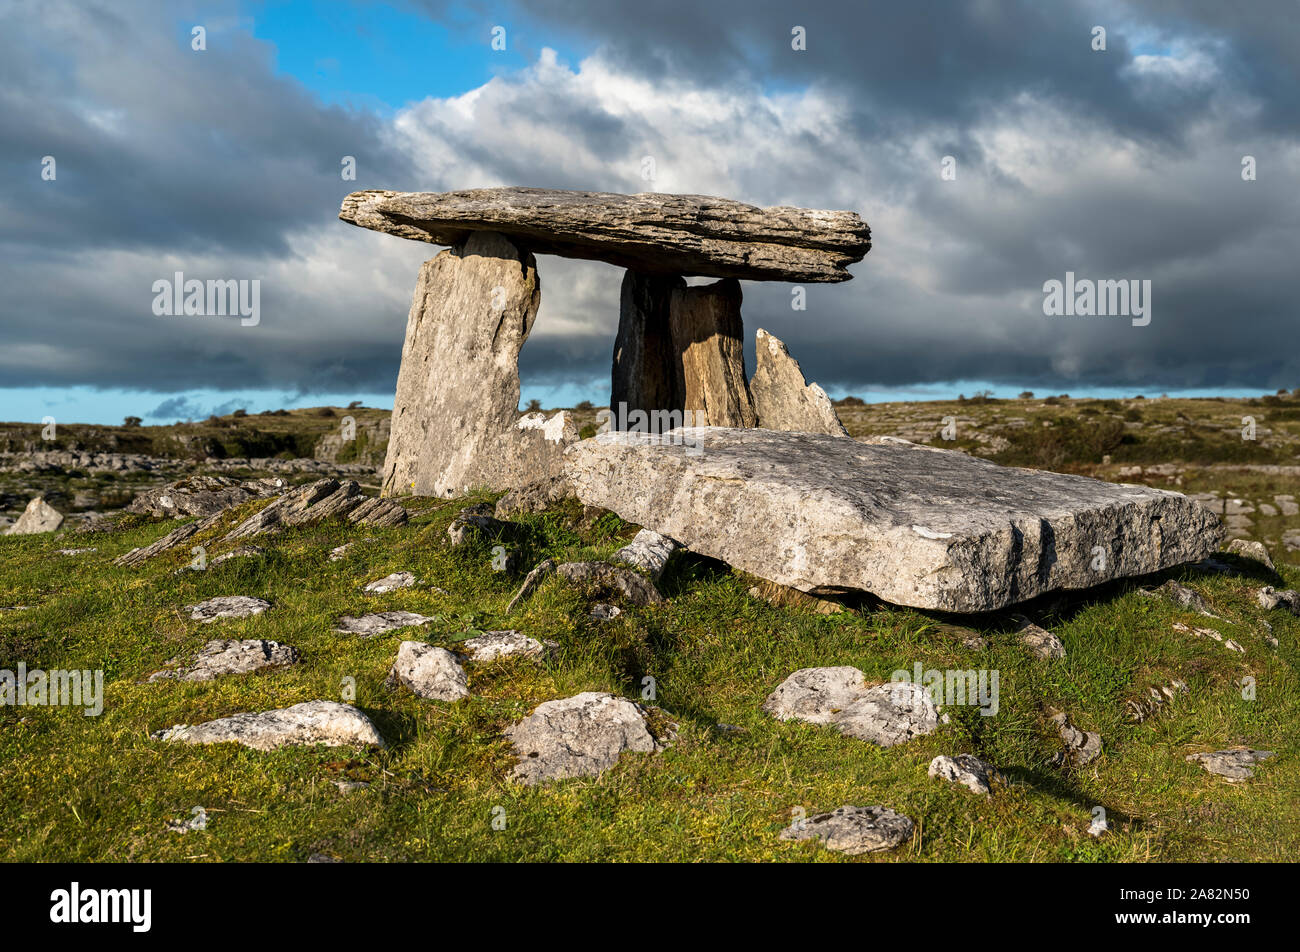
{"x":650,"y":232}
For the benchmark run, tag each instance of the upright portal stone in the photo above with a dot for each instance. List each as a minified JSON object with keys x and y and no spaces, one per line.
{"x":782,"y":399}
{"x":707,"y":335}
{"x":455,"y":418}
{"x":644,"y":377}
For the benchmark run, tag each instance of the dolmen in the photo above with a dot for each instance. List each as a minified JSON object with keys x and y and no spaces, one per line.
{"x":679,"y":351}
{"x":755,"y":471}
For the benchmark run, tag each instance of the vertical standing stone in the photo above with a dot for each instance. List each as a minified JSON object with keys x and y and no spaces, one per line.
{"x":707,"y":336}
{"x":782,"y":399}
{"x":645,"y":375}
{"x":455,"y":420}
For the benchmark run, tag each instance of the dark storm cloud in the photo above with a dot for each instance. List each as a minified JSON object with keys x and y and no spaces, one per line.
{"x":170,"y":159}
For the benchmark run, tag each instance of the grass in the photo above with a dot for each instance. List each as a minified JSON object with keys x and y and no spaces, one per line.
{"x":99,"y":789}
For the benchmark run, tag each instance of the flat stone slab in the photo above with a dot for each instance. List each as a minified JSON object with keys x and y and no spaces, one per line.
{"x":227,"y":606}
{"x":313,"y":722}
{"x":221,"y":657}
{"x":391,"y":583}
{"x":854,"y":830}
{"x":378,"y":623}
{"x":579,"y":736}
{"x":1234,"y":765}
{"x":493,"y":645}
{"x":927,"y":528}
{"x":649,"y":232}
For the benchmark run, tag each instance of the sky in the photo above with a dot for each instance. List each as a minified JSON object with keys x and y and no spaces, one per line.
{"x":988,"y":144}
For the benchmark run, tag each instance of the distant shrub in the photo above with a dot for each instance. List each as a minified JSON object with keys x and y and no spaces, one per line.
{"x":354,"y":405}
{"x":584,"y":406}
{"x":1026,"y":395}
{"x":132,"y":421}
{"x":850,"y":401}
{"x":534,"y":406}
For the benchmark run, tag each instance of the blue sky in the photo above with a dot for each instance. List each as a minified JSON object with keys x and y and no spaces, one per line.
{"x":225,"y":163}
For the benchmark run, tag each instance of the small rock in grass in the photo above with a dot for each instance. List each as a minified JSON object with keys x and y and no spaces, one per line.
{"x":1041,"y":642}
{"x":227,"y":606}
{"x":966,"y":769}
{"x":854,"y":830}
{"x":338,"y":553}
{"x":1235,"y":765}
{"x":350,"y":786}
{"x":1156,"y":698}
{"x":429,"y":671}
{"x":1249,"y":549}
{"x":1081,"y":747}
{"x":1211,"y":634}
{"x":603,"y":611}
{"x":1098,"y":826}
{"x":38,"y":517}
{"x":648,"y":551}
{"x":313,"y":722}
{"x":636,"y":588}
{"x":75,"y":551}
{"x":474,"y":520}
{"x":579,"y":736}
{"x":1270,"y":598}
{"x":391,"y":583}
{"x":197,"y":820}
{"x":885,"y":714}
{"x":378,"y":623}
{"x":218,"y":658}
{"x":492,"y":645}
{"x":1182,"y":595}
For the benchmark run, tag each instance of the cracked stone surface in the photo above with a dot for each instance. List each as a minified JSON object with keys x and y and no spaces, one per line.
{"x":429,"y":671}
{"x":854,"y":830}
{"x":917,"y":526}
{"x":1234,"y":765}
{"x":378,"y":623}
{"x":579,"y":736}
{"x":650,"y":232}
{"x":391,"y":583}
{"x":222,"y":657}
{"x":313,"y":722}
{"x":227,"y":606}
{"x":492,"y":645}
